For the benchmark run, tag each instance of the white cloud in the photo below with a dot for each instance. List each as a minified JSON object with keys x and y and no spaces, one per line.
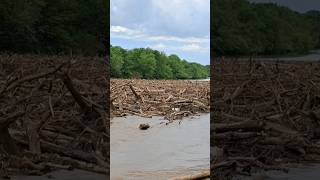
{"x":172,"y":26}
{"x":123,"y":30}
{"x":178,"y":39}
{"x":163,"y":17}
{"x":127,"y":33}
{"x":194,"y":48}
{"x":159,"y":47}
{"x":117,"y":29}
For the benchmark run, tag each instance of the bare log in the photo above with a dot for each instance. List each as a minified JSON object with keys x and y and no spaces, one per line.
{"x":248,"y":125}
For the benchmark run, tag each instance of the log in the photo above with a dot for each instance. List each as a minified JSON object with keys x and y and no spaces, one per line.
{"x":248,"y":125}
{"x":90,"y":112}
{"x":234,"y":136}
{"x":144,"y":126}
{"x":138,"y":96}
{"x":31,"y":77}
{"x":76,"y":95}
{"x":5,"y":122}
{"x":76,"y":154}
{"x":33,"y":137}
{"x":280,"y":128}
{"x":237,"y":91}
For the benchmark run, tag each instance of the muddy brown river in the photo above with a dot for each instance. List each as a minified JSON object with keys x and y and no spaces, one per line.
{"x":161,"y":152}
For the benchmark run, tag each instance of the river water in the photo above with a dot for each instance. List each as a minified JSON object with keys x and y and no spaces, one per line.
{"x":313,"y":56}
{"x":161,"y":152}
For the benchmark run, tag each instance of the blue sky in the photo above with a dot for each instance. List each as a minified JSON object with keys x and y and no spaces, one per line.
{"x":172,"y":26}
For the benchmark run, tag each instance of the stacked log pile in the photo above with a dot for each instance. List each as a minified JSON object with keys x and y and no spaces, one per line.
{"x":265,"y":115}
{"x":173,"y":99}
{"x":53,"y":114}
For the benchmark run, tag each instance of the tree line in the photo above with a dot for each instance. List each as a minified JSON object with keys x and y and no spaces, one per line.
{"x":151,"y":64}
{"x":239,"y":27}
{"x":54,"y":26}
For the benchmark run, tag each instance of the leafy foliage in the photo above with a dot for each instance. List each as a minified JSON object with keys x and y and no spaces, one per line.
{"x":54,"y":26}
{"x":152,"y":64}
{"x":242,"y":28}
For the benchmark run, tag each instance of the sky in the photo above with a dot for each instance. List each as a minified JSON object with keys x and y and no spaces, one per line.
{"x":172,"y":26}
{"x":297,"y":5}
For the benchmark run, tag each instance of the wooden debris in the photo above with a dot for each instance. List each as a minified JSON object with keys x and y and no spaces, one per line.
{"x":53,"y":114}
{"x":264,"y":114}
{"x":173,"y":99}
{"x":144,"y":126}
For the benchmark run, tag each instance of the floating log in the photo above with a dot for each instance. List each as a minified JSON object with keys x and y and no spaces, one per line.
{"x":144,"y":126}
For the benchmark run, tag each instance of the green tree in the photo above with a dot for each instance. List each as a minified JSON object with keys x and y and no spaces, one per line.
{"x":239,"y":27}
{"x":130,"y":62}
{"x":54,"y":26}
{"x":163,"y":70}
{"x":116,"y":61}
{"x":146,"y":64}
{"x":152,"y":64}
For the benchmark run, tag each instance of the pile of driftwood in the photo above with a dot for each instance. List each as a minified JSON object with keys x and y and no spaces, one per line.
{"x":173,"y":99}
{"x":265,"y":115}
{"x":53,"y":114}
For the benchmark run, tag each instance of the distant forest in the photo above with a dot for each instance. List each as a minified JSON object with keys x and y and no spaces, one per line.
{"x":239,"y":27}
{"x":54,"y":26}
{"x":151,"y":64}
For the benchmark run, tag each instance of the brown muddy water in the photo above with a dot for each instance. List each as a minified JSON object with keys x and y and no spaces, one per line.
{"x":161,"y":152}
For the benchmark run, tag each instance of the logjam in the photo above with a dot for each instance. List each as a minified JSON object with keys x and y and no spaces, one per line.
{"x":173,"y":99}
{"x":265,"y":115}
{"x":53,"y":114}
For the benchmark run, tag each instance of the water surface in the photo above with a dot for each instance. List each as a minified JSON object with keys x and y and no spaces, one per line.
{"x":161,"y":152}
{"x":313,"y":56}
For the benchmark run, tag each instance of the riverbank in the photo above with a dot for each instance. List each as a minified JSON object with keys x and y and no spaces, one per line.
{"x":172,"y":99}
